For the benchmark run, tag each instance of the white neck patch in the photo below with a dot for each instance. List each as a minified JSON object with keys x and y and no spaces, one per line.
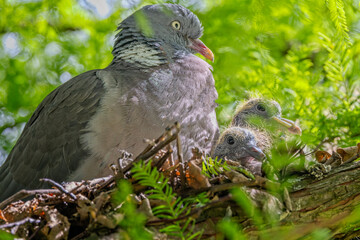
{"x":140,"y":54}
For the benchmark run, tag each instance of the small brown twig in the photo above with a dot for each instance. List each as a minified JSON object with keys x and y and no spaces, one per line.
{"x":325,"y":140}
{"x":353,"y":158}
{"x":159,"y":139}
{"x":108,"y":181}
{"x":154,"y":150}
{"x":42,"y":224}
{"x":172,"y":175}
{"x":21,"y":222}
{"x":162,"y":160}
{"x":298,"y":151}
{"x":334,"y":160}
{"x":180,"y":158}
{"x":81,"y":235}
{"x":58,"y":186}
{"x":27,"y":193}
{"x":124,"y":156}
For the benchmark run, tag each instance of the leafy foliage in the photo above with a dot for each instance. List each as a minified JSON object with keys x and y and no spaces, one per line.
{"x":214,"y":166}
{"x":131,"y":221}
{"x":231,"y":230}
{"x":173,"y":206}
{"x":6,"y":236}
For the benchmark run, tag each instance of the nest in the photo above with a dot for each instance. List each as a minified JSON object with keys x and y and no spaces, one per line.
{"x":78,"y":210}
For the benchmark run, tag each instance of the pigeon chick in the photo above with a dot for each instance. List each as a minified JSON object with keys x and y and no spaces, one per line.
{"x":263,"y":117}
{"x":154,"y":80}
{"x":239,"y":144}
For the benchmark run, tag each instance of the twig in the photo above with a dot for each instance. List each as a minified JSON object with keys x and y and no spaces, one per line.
{"x":298,"y":151}
{"x":58,"y":186}
{"x":159,"y":139}
{"x":81,"y":235}
{"x":353,"y":158}
{"x":325,"y":140}
{"x":180,"y":158}
{"x":42,"y":224}
{"x":26,"y":193}
{"x":76,"y":188}
{"x":334,"y":160}
{"x":124,"y":156}
{"x":152,"y":152}
{"x":172,"y":174}
{"x":162,"y":160}
{"x":21,"y":222}
{"x":105,"y":183}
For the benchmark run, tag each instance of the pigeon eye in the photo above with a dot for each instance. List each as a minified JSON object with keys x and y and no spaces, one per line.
{"x":260,"y":107}
{"x":176,"y":25}
{"x":230,"y":140}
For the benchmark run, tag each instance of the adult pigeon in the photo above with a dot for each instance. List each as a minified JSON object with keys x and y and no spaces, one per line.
{"x":239,"y":144}
{"x":153,"y":81}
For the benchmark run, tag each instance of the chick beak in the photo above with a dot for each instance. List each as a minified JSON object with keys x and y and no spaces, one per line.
{"x":290,"y":125}
{"x":200,"y":47}
{"x":255,"y":152}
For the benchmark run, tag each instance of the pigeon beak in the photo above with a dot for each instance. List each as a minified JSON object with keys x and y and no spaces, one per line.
{"x":200,"y":47}
{"x":290,"y":125}
{"x":255,"y":152}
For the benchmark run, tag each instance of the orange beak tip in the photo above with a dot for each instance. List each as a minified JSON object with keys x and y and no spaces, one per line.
{"x":295,"y":130}
{"x":200,"y":47}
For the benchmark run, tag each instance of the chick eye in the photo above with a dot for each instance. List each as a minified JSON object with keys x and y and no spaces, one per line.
{"x":176,"y":25}
{"x":260,"y":107}
{"x":230,"y":140}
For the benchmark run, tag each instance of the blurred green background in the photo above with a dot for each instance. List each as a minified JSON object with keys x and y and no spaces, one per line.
{"x":303,"y":53}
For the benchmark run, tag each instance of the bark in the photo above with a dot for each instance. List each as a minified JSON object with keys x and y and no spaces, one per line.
{"x":329,"y":202}
{"x":332,"y":203}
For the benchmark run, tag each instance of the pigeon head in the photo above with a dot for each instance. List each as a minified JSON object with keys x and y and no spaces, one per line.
{"x":158,"y":34}
{"x":263,"y":113}
{"x":238,"y":144}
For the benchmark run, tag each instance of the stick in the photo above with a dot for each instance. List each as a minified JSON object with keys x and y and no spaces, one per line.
{"x":58,"y":186}
{"x":42,"y":224}
{"x":353,"y":158}
{"x":258,"y":182}
{"x":26,"y":193}
{"x":152,"y":152}
{"x":180,"y":158}
{"x":21,"y":222}
{"x":162,"y":160}
{"x":81,"y":235}
{"x":325,"y":140}
{"x":159,"y":139}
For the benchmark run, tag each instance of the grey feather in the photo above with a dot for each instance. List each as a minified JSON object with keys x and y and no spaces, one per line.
{"x":54,"y":129}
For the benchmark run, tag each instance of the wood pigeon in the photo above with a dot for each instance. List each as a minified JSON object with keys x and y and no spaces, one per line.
{"x":153,"y":81}
{"x":263,"y":117}
{"x":239,"y":144}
